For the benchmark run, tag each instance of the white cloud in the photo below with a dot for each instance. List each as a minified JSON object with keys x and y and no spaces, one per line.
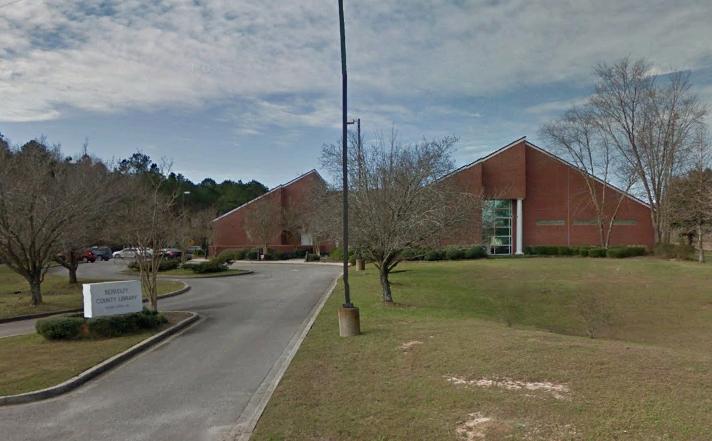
{"x":135,"y":55}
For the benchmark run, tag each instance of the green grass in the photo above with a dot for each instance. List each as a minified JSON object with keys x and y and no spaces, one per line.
{"x":648,"y":378}
{"x":57,"y":293}
{"x":29,"y":362}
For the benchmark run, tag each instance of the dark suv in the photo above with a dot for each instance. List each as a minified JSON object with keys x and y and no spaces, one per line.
{"x":103,"y":253}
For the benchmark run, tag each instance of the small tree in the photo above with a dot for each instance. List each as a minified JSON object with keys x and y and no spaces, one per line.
{"x":263,"y":221}
{"x":398,"y":200}
{"x":150,"y":225}
{"x":691,"y":194}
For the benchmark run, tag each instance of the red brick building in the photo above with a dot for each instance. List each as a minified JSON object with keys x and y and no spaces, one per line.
{"x":229,"y":230}
{"x":533,"y":197}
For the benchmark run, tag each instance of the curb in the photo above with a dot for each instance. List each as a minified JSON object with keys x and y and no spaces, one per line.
{"x":100,"y":368}
{"x":214,"y":276}
{"x":18,"y":318}
{"x":242,"y":431}
{"x":290,"y":262}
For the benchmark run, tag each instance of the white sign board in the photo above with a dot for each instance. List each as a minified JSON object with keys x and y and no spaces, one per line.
{"x":112,"y":298}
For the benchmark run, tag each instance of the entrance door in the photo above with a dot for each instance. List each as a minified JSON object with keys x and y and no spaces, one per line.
{"x":497,"y":226}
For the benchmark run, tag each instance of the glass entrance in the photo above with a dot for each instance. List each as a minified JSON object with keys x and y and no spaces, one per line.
{"x":497,"y":226}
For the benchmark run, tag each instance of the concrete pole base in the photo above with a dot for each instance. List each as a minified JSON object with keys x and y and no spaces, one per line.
{"x":360,"y":265}
{"x":349,"y":322}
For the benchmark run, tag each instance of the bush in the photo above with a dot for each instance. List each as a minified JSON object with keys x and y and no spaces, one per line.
{"x":583,"y":251}
{"x":622,"y":252}
{"x":597,"y":252}
{"x":312,"y":257}
{"x":475,"y":252}
{"x":229,"y":256}
{"x":413,"y":254}
{"x":454,"y":253}
{"x":67,"y":328}
{"x":59,"y":328}
{"x":543,"y":250}
{"x":672,"y":251}
{"x":211,"y":266}
{"x":567,"y":251}
{"x":198,"y":253}
{"x":164,"y":265}
{"x":252,"y":255}
{"x":433,"y":255}
{"x":118,"y":325}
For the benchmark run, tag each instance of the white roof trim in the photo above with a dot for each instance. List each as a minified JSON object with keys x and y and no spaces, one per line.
{"x":302,"y":176}
{"x":551,"y":155}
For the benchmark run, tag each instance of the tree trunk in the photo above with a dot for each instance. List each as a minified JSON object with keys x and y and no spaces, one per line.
{"x":700,"y":251}
{"x":72,"y":274}
{"x":386,"y":285}
{"x":36,"y":290}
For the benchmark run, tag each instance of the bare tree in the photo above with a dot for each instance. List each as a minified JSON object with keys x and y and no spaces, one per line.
{"x":651,"y":126}
{"x":41,"y":196}
{"x":577,"y":136}
{"x":398,"y":201}
{"x":98,"y":183}
{"x":691,"y":194}
{"x":150,"y":225}
{"x":263,"y":221}
{"x":314,"y":215}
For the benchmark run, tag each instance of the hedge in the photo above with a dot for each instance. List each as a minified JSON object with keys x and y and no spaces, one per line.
{"x":586,"y":251}
{"x":215,"y":265}
{"x":164,"y":265}
{"x":621,"y":252}
{"x":73,"y":327}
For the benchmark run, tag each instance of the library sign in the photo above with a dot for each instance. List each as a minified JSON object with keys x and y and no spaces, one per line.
{"x":112,"y":298}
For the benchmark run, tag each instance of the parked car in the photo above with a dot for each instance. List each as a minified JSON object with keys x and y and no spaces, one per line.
{"x":88,"y":256}
{"x":103,"y":253}
{"x":194,"y":250}
{"x":126,"y":253}
{"x":171,"y":253}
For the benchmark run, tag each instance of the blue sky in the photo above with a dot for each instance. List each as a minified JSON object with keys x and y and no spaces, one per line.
{"x":251,"y":89}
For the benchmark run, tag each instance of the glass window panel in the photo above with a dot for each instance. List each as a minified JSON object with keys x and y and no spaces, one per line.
{"x":502,"y":232}
{"x":502,"y":222}
{"x":504,"y":240}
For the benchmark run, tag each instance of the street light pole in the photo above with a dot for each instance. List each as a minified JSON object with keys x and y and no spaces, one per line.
{"x":344,"y":157}
{"x":349,"y":322}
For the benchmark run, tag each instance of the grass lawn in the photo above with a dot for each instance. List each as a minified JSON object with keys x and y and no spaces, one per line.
{"x":29,"y":362}
{"x":189,"y":274}
{"x":443,"y":365}
{"x":57,"y":294}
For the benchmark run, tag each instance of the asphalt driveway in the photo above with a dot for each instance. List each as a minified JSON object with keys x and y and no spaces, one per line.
{"x":195,"y":386}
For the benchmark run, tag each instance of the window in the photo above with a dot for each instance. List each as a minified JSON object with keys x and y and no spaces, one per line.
{"x":497,"y":226}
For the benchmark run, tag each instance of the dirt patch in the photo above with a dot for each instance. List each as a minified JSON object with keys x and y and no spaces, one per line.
{"x":474,"y":427}
{"x":409,"y":344}
{"x":558,"y":391}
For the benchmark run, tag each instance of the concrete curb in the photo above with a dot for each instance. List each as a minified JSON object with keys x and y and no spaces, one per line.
{"x":213,"y":276}
{"x":290,"y":262}
{"x":18,"y":318}
{"x":100,"y":368}
{"x":242,"y":431}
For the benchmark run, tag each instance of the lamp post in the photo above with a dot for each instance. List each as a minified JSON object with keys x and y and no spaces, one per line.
{"x":184,"y":248}
{"x":349,"y":320}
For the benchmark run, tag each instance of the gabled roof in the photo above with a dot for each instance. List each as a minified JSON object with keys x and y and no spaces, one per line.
{"x":287,"y":184}
{"x":551,"y":155}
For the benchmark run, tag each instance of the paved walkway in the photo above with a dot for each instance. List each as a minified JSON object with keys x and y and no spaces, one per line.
{"x":195,"y":386}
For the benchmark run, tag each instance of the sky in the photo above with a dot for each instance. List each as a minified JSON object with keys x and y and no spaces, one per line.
{"x":251,"y":89}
